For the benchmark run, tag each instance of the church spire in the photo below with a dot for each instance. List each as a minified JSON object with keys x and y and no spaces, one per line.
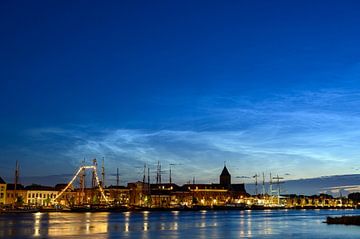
{"x":225,"y":177}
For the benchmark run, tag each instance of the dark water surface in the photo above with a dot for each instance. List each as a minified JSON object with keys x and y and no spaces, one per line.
{"x":202,"y":224}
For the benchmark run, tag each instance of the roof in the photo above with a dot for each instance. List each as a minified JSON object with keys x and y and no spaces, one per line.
{"x":239,"y":187}
{"x":11,"y":186}
{"x":212,"y":186}
{"x":2,"y":181}
{"x":116,"y":187}
{"x":164,"y":185}
{"x":39,"y":187}
{"x":60,"y":186}
{"x":225,"y":172}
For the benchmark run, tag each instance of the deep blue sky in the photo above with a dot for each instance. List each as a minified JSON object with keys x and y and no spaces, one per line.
{"x":264,"y":85}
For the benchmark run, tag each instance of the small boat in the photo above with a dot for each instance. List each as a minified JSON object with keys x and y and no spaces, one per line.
{"x":89,"y":208}
{"x":230,"y":206}
{"x":118,"y":209}
{"x":20,"y":210}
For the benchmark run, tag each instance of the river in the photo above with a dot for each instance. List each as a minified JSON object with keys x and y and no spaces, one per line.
{"x":200,"y":224}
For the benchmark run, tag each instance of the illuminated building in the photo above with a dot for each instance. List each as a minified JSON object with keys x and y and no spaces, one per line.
{"x":171,"y":195}
{"x":2,"y":191}
{"x":15,"y":195}
{"x":39,"y":195}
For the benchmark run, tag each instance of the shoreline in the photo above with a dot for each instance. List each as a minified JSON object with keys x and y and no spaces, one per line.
{"x":120,"y":210}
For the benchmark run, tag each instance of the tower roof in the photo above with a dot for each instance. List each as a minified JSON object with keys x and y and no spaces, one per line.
{"x":225,"y":172}
{"x":2,"y":181}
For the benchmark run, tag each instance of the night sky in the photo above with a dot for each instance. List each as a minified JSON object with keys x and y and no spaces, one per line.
{"x":267,"y":86}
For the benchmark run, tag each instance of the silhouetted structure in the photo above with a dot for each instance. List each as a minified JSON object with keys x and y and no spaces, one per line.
{"x":225,"y":178}
{"x":172,"y":195}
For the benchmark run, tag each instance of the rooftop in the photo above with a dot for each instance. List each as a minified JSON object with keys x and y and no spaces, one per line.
{"x":225,"y":172}
{"x":2,"y":181}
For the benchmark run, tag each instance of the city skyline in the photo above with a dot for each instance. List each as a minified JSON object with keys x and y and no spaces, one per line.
{"x":265,"y":86}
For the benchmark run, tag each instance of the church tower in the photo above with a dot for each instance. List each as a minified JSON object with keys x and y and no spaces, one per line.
{"x":225,"y":178}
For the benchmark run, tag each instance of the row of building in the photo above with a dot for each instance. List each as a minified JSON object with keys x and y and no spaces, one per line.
{"x":159,"y":195}
{"x":134,"y":194}
{"x":11,"y":194}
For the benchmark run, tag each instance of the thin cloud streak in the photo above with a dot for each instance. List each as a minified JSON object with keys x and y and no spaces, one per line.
{"x":284,"y":135}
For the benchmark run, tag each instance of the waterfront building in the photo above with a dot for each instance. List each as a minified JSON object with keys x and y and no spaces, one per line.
{"x":33,"y":195}
{"x":2,"y":191}
{"x":38,"y":195}
{"x":15,"y":195}
{"x":117,"y":195}
{"x":172,"y":195}
{"x":217,"y":194}
{"x":165,"y":195}
{"x":138,"y":194}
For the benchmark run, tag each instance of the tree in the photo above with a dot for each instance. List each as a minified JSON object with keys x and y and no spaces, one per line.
{"x":47,"y":201}
{"x":19,"y":201}
{"x":95,"y":200}
{"x":354,"y":196}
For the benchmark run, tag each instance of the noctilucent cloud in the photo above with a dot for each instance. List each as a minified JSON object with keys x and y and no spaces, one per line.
{"x":267,"y":86}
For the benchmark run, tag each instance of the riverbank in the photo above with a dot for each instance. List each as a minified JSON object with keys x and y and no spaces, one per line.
{"x":140,"y":209}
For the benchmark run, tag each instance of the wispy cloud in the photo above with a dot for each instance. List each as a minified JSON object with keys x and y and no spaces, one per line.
{"x":344,"y":190}
{"x":304,"y":135}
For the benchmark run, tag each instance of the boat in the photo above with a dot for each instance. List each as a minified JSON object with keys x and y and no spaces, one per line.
{"x":89,"y":208}
{"x":20,"y":210}
{"x":230,"y":206}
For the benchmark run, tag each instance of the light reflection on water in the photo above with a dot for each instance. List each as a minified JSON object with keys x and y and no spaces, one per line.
{"x":202,"y":224}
